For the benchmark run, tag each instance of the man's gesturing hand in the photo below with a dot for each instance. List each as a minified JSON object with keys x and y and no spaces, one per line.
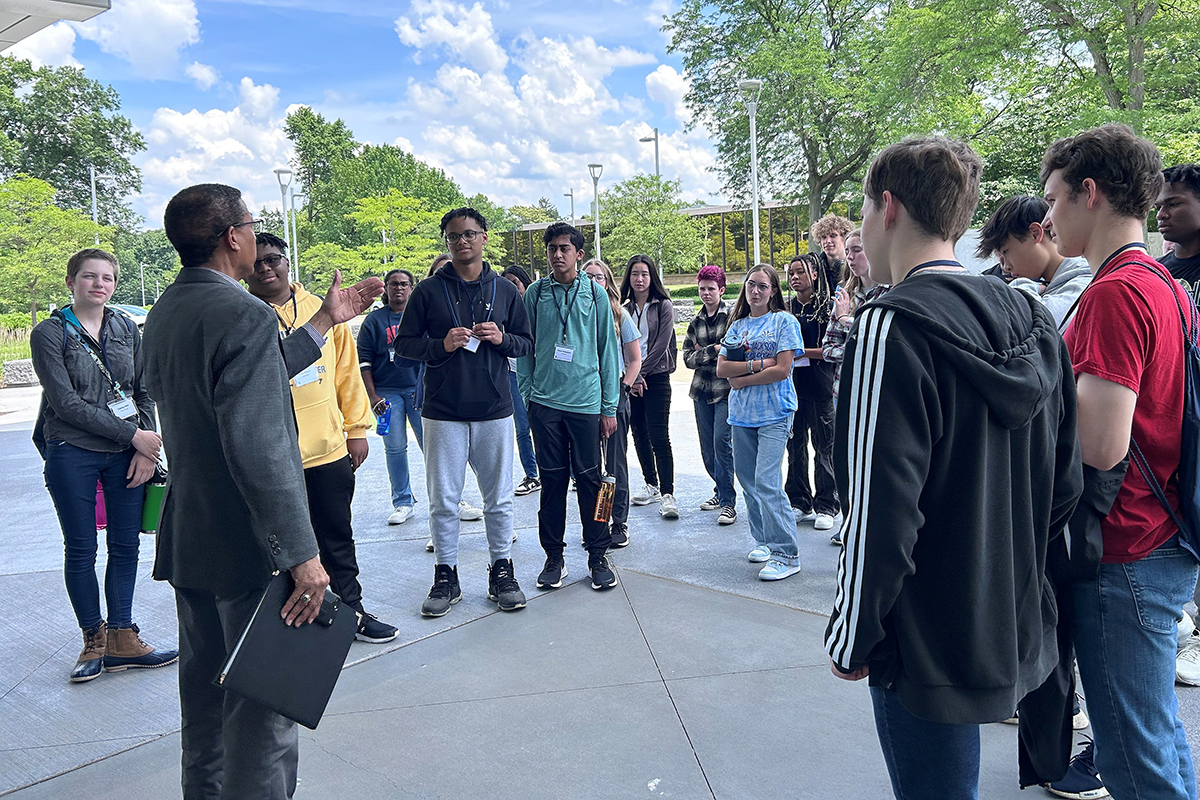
{"x":311,"y":582}
{"x":342,"y":305}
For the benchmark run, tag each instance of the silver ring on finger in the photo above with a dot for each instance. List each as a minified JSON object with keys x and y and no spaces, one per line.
{"x":304,"y":598}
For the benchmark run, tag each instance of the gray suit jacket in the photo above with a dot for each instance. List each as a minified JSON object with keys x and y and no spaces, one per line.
{"x":236,"y":506}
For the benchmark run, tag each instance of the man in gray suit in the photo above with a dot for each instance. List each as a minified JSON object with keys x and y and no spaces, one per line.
{"x":236,"y":509}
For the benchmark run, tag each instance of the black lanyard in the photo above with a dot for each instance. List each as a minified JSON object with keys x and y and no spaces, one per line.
{"x":1118,"y":252}
{"x":1071,"y":311}
{"x":295,"y":313}
{"x":930,"y":265}
{"x":471,"y":304}
{"x":569,"y":299}
{"x":101,"y":364}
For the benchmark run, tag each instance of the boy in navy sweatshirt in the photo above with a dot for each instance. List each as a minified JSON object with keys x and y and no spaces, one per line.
{"x":955,"y":450}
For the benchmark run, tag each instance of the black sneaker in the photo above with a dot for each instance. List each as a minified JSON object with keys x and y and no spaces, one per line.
{"x":1082,"y":781}
{"x":370,"y":629}
{"x":602,"y":575}
{"x":527,"y":486}
{"x":502,"y":586}
{"x":552,"y":574}
{"x":620,"y":535}
{"x":445,"y":591}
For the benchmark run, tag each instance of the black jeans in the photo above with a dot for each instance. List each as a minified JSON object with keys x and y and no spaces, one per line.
{"x":650,"y":418}
{"x":330,"y":492}
{"x":616,"y":456}
{"x":815,"y":416}
{"x":561,"y":438}
{"x":232,"y":746}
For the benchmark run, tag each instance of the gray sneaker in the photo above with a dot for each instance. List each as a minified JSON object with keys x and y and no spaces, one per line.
{"x":445,"y":591}
{"x":502,"y":586}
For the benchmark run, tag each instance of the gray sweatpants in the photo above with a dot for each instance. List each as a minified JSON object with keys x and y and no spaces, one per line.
{"x":488,"y":447}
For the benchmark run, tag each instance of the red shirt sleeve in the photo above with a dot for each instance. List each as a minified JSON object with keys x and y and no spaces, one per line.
{"x":1109,"y":335}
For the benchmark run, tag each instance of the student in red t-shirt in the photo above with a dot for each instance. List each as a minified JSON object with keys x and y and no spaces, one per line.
{"x":1126,"y":345}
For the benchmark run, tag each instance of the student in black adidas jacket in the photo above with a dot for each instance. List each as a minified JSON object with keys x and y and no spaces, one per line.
{"x":956,"y":452}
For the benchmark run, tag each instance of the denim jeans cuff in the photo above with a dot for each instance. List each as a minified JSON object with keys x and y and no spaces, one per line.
{"x":791,"y":561}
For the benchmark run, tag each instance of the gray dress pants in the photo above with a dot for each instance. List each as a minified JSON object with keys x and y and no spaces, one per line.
{"x":232,"y":747}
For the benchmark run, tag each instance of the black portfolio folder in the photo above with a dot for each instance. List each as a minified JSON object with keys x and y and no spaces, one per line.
{"x":291,"y":670}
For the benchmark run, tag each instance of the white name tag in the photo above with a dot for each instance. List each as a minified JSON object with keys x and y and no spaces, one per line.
{"x":123,"y":408}
{"x":801,"y":362}
{"x":472,"y":344}
{"x":306,"y":376}
{"x":563,"y":352}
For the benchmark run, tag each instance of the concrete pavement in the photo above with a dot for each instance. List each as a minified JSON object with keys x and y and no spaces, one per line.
{"x":690,"y":680}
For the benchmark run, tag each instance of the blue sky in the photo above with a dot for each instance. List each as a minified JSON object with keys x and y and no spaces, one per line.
{"x":513,"y":98}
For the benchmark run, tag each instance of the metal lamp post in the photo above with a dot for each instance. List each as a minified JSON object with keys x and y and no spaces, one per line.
{"x":654,"y":139}
{"x":284,"y":175}
{"x":571,"y":194}
{"x":295,"y":251}
{"x":142,"y":274}
{"x":95,"y":216}
{"x":751,"y":88}
{"x":596,"y":170}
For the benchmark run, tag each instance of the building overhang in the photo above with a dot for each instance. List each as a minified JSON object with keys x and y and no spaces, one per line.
{"x":20,"y":19}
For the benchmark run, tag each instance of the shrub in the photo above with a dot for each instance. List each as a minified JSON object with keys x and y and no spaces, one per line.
{"x":19,"y":320}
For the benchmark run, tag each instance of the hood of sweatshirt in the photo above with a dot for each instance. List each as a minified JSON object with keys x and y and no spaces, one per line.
{"x":1004,"y":343}
{"x":1070,"y":269}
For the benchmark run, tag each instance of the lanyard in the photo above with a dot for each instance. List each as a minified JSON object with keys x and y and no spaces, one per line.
{"x":931,"y":264}
{"x":287,"y":331}
{"x":569,"y":299}
{"x":471,"y":305}
{"x":73,"y":322}
{"x":1118,"y":252}
{"x":639,"y":315}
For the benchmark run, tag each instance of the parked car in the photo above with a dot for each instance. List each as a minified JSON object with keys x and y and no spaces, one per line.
{"x":135,"y":314}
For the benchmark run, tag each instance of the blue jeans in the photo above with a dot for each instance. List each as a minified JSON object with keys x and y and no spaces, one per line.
{"x":926,"y":759}
{"x":521,"y":421}
{"x":1125,"y":640}
{"x":71,"y":475}
{"x":395,"y":444}
{"x":758,"y":461}
{"x":716,"y":447}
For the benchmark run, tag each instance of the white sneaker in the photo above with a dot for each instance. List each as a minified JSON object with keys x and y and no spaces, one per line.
{"x":429,"y":546}
{"x":803,"y":516}
{"x":646,"y":495}
{"x":822,"y":522}
{"x":468,"y":512}
{"x":1080,"y":720}
{"x":777,"y":570}
{"x":759,"y":554}
{"x":400,"y":515}
{"x":1187,"y":664}
{"x":1186,"y":626}
{"x":667,"y":509}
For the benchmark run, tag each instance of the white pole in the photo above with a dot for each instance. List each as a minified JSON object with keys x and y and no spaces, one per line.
{"x":295,"y":251}
{"x":95,"y":218}
{"x":754,"y":174}
{"x":596,"y":194}
{"x":142,"y":274}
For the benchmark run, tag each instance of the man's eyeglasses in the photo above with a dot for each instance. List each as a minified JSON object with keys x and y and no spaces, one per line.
{"x":273,"y":260}
{"x":257,"y":223}
{"x":468,"y":236}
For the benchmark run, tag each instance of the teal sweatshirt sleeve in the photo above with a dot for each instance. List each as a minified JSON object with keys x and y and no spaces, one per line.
{"x":608,"y":348}
{"x":526,"y":362}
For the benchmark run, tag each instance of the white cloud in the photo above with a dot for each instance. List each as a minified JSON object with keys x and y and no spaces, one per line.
{"x":50,"y":47}
{"x":667,"y":87}
{"x":204,"y":75}
{"x":465,"y":32}
{"x":147,"y":33}
{"x":238,"y":147}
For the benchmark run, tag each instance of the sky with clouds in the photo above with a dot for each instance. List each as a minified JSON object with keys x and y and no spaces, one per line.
{"x":512,"y":98}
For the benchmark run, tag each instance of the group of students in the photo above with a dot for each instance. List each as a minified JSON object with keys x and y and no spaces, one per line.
{"x":972,"y":422}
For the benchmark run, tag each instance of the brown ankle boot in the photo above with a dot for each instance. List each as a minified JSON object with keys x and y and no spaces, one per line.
{"x":91,"y":659}
{"x":126,"y":650}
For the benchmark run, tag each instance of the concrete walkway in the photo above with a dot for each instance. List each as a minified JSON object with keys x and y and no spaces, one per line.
{"x":690,"y":680}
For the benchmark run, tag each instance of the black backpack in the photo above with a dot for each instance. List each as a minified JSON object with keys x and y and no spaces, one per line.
{"x":1188,"y":517}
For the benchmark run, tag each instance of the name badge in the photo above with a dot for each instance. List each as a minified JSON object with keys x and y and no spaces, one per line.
{"x":123,"y":408}
{"x":801,"y":362}
{"x":563,"y":352}
{"x":472,"y":344}
{"x":306,"y":376}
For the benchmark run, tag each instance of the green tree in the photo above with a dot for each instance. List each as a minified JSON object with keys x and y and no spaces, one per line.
{"x":55,"y":123}
{"x":37,"y":237}
{"x":544,"y":211}
{"x":321,"y":260}
{"x":842,"y":79}
{"x":144,"y":255}
{"x":644,"y":215}
{"x":404,"y":229}
{"x":319,"y":144}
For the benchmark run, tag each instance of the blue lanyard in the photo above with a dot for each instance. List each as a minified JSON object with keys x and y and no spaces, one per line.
{"x":930,"y":264}
{"x":454,"y":311}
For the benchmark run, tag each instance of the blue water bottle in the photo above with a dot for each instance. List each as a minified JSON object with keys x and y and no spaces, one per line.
{"x":385,"y":419}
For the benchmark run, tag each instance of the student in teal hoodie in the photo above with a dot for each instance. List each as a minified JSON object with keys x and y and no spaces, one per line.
{"x":570,"y":385}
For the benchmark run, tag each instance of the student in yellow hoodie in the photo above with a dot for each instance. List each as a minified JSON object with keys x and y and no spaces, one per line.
{"x":332,"y":416}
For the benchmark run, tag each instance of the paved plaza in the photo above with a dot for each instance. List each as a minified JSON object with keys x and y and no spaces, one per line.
{"x":692,"y":679}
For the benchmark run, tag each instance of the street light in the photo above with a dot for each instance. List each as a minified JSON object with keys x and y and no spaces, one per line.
{"x":654,"y":139}
{"x":95,"y":217}
{"x":750,"y":90}
{"x":571,"y":194}
{"x":284,"y":175}
{"x":295,"y":251}
{"x":596,"y":170}
{"x":142,"y":273}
